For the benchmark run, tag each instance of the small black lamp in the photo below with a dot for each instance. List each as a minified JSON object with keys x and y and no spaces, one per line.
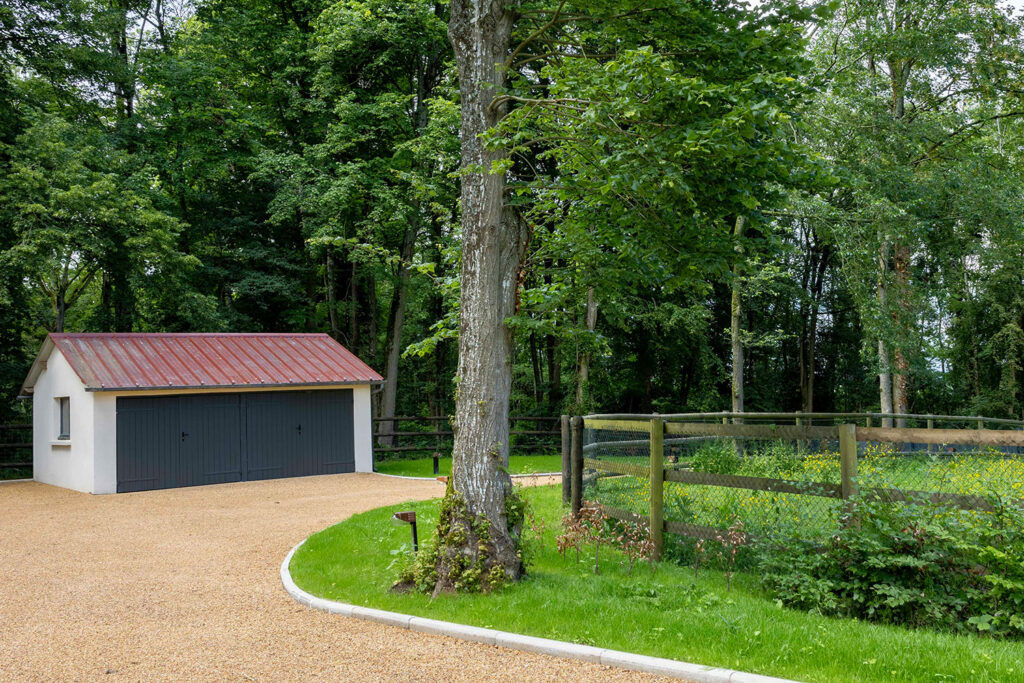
{"x":408,"y":517}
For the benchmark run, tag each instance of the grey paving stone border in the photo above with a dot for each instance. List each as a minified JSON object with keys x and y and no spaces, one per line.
{"x":516,"y":641}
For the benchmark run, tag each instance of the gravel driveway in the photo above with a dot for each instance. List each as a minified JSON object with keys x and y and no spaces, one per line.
{"x":183,"y":585}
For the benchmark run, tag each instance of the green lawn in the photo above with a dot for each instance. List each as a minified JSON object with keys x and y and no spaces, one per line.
{"x":424,"y":467}
{"x":667,"y":614}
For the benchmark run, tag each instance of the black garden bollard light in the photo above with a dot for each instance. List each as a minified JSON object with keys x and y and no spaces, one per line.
{"x":408,"y":517}
{"x":436,"y":464}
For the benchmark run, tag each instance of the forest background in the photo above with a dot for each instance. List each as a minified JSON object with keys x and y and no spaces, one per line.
{"x":773,"y":208}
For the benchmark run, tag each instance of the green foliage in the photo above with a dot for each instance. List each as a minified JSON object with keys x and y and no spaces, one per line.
{"x":716,"y":457}
{"x":294,"y":166}
{"x":444,"y":564}
{"x":76,"y":205}
{"x":913,"y":565}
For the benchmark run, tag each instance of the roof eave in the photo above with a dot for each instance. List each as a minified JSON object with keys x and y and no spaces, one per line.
{"x":37,"y":368}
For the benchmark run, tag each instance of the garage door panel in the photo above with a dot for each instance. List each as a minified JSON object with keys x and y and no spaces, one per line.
{"x":273,"y":431}
{"x":329,"y":438}
{"x":211,"y":445}
{"x":188,"y":440}
{"x":147,"y":444}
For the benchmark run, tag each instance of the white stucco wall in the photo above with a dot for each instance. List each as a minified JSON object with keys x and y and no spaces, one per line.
{"x":62,"y":463}
{"x":362,"y":428}
{"x":104,"y":442}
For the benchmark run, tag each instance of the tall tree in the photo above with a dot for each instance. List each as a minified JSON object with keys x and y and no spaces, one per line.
{"x":478,"y":531}
{"x":909,"y":85}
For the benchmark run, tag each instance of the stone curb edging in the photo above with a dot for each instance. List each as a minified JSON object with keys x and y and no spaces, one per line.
{"x":515,"y":641}
{"x":14,"y":481}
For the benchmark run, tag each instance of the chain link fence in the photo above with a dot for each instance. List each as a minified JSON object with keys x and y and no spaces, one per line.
{"x":783,"y":475}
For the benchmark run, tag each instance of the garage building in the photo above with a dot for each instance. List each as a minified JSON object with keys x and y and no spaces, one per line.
{"x":135,"y":412}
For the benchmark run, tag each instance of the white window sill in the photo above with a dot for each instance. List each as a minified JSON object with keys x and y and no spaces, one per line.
{"x":61,"y":442}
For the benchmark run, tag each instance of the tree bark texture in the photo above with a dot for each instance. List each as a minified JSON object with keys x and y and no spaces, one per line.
{"x":736,"y":324}
{"x":901,"y":365}
{"x":884,"y":372}
{"x":813,"y":285}
{"x":480,"y":32}
{"x":554,"y":371}
{"x":583,"y":371}
{"x":332,"y":295}
{"x":396,"y":321}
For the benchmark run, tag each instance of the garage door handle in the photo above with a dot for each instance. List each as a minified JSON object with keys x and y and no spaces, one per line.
{"x":183,"y":435}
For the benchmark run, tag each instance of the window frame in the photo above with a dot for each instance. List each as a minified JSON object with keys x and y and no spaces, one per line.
{"x":63,"y":418}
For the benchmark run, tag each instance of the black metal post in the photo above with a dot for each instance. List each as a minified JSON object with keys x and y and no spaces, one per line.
{"x":576,"y":488}
{"x":566,"y":460}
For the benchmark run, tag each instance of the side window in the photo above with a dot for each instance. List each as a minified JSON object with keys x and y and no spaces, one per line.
{"x":63,"y":417}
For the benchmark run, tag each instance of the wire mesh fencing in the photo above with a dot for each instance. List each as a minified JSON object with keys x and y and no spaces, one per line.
{"x":792,"y":476}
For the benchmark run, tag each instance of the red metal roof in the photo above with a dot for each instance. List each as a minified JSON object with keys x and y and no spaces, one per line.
{"x":117,"y":362}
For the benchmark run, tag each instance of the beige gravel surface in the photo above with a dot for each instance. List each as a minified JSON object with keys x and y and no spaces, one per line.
{"x":184,"y":585}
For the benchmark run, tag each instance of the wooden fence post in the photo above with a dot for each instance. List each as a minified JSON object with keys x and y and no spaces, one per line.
{"x":576,"y":487}
{"x":848,"y":459}
{"x":658,"y":485}
{"x":931,"y":425}
{"x":566,"y":460}
{"x":800,"y":445}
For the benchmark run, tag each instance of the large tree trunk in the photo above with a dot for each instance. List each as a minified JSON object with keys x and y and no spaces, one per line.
{"x":396,"y":321}
{"x":583,"y":369}
{"x":60,"y":308}
{"x":332,"y":295}
{"x":736,"y":323}
{"x":884,"y":372}
{"x":353,"y":311}
{"x":538,"y":374}
{"x":554,"y":372}
{"x":554,"y":360}
{"x":901,"y":268}
{"x":809,"y":347}
{"x":475,"y":529}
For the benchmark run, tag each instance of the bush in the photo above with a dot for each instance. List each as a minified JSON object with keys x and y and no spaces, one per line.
{"x":918,"y":565}
{"x":716,"y":457}
{"x":776,"y":459}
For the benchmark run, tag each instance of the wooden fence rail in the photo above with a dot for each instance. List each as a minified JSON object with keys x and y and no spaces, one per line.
{"x":438,"y":437}
{"x":799,"y":416}
{"x":9,"y":450}
{"x":848,"y":435}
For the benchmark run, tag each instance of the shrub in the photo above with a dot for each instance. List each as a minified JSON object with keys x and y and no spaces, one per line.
{"x":716,"y":457}
{"x":909,"y":564}
{"x":592,"y":525}
{"x":772,"y":459}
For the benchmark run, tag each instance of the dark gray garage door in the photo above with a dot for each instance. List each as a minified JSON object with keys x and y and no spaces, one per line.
{"x":171,"y":441}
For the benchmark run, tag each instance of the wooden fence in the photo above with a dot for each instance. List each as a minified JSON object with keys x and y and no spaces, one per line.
{"x":437,"y":437}
{"x":15,"y":446}
{"x":577,"y":457}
